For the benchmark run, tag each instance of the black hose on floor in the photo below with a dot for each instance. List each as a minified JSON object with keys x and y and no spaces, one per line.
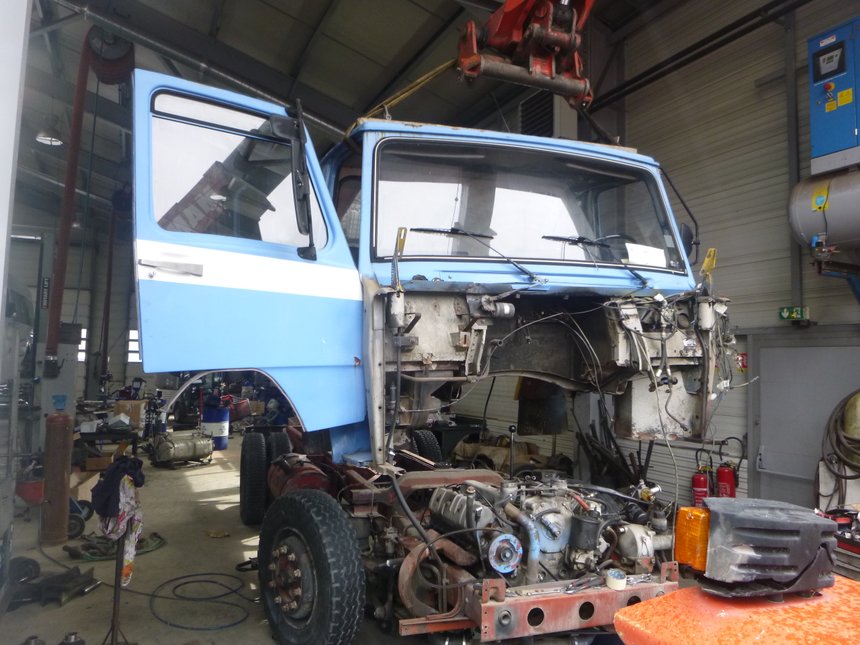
{"x":208,"y":578}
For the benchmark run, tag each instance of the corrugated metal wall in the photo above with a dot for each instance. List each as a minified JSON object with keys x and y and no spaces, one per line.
{"x":718,"y":126}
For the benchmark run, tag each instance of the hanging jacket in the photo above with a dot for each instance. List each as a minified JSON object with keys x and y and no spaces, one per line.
{"x":106,"y":491}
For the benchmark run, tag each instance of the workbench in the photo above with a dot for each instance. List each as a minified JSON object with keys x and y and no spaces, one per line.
{"x":112,"y":436}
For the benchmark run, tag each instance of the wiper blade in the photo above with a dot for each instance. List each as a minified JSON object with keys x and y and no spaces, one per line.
{"x":452,"y":231}
{"x":578,"y":240}
{"x":479,"y":238}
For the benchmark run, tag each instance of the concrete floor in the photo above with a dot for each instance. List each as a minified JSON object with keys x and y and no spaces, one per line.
{"x":183,"y":506}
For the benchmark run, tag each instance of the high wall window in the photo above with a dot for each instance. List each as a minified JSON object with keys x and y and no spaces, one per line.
{"x":133,"y":346}
{"x":82,"y":346}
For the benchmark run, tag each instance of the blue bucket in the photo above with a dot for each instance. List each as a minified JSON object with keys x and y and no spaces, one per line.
{"x":216,"y":424}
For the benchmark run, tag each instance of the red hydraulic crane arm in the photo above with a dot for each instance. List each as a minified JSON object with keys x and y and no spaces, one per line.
{"x":533,"y":43}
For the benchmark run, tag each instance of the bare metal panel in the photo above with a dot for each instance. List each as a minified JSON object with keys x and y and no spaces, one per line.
{"x":794,"y":413}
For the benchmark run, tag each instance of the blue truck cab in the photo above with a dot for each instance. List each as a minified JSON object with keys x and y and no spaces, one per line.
{"x":413,"y":259}
{"x":379,"y":284}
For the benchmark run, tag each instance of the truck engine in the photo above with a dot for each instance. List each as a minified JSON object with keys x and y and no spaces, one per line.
{"x":454,"y":550}
{"x":570,"y":530}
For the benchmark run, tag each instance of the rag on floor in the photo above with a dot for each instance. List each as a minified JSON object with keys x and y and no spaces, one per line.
{"x":117,"y":503}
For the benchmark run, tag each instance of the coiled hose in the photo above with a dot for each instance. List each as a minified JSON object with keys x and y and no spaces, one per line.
{"x":840,"y":452}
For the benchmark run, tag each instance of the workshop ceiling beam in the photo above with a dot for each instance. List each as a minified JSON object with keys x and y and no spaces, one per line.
{"x":167,"y":36}
{"x":299,"y":65}
{"x":111,"y":170}
{"x":403,"y":74}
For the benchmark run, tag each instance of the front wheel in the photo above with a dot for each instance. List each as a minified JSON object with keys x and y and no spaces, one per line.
{"x":310,"y":570}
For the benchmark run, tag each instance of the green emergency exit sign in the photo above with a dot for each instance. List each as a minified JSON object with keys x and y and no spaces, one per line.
{"x":794,"y":313}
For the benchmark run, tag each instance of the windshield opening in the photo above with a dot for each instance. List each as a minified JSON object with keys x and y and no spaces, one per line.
{"x":480,"y":201}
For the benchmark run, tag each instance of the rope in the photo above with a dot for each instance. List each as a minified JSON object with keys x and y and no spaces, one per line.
{"x":405,"y":93}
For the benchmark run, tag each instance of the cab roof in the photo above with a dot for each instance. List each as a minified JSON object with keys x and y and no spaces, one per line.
{"x":390,"y":127}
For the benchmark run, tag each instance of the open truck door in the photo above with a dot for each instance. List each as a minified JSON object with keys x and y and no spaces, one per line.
{"x":240,"y":261}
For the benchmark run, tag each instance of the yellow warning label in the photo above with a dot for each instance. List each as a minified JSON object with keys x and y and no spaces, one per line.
{"x":845,"y":96}
{"x":830,"y":106}
{"x":819,"y":197}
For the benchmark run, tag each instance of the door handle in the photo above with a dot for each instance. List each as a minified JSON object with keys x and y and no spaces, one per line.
{"x":174,"y":267}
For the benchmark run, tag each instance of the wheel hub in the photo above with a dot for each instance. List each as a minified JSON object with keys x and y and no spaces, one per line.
{"x":292,"y":580}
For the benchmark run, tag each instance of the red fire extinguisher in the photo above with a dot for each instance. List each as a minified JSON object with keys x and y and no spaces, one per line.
{"x":702,"y":478}
{"x":728,"y":473}
{"x":726,"y":479}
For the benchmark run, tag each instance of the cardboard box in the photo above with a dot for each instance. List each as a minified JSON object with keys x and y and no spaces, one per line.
{"x":135,"y":410}
{"x":257,"y":407}
{"x":81,"y":483}
{"x":99,"y":463}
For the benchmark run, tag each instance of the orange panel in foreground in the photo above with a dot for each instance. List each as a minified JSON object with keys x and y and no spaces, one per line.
{"x":691,"y":616}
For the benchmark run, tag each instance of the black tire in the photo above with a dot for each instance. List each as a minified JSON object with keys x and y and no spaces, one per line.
{"x":253,"y":469}
{"x":77,"y":526}
{"x":307,"y":530}
{"x":22,"y":569}
{"x":86,"y":509}
{"x":527,"y":470}
{"x":427,"y":445}
{"x":482,"y":461}
{"x":277,"y":444}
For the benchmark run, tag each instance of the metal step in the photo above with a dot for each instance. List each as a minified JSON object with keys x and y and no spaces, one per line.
{"x":847,"y":564}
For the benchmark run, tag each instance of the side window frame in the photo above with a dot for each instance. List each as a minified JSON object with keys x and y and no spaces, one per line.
{"x":285,"y":132}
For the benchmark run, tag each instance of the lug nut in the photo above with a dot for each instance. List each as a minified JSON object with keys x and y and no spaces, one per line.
{"x":272,"y":566}
{"x":297,"y":573}
{"x":278,"y":600}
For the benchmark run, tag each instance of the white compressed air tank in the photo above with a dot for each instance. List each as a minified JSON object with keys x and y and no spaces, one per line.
{"x":827,"y":205}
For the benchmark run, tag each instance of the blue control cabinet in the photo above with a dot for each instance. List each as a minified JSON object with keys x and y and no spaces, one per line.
{"x":834,"y":62}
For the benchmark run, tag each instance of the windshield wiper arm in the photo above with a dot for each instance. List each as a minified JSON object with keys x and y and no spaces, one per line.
{"x":578,"y":240}
{"x":479,"y":238}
